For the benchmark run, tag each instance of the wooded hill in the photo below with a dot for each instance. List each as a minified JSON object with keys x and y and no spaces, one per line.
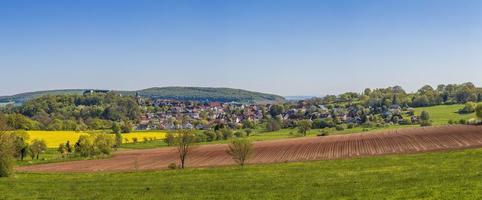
{"x":179,"y":93}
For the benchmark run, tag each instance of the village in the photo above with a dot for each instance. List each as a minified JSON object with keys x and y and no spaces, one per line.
{"x":169,"y":114}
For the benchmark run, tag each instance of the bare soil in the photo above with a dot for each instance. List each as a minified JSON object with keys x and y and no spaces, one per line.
{"x":401,"y":141}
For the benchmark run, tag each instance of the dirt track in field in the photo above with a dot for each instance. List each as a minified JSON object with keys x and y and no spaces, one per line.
{"x":401,"y":141}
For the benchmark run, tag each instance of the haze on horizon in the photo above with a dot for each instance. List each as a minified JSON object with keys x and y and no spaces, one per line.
{"x":280,"y":47}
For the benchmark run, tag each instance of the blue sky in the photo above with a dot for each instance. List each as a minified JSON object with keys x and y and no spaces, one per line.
{"x":283,"y":47}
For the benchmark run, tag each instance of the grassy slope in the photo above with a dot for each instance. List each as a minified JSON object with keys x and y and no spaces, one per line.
{"x":442,"y":114}
{"x":442,"y":175}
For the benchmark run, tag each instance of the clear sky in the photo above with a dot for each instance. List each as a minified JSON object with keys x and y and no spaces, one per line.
{"x":283,"y":47}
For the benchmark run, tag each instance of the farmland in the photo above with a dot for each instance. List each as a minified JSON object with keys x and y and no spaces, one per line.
{"x":299,"y":149}
{"x":54,"y":138}
{"x":440,"y":175}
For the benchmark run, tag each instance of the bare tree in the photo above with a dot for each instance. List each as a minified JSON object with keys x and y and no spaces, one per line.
{"x":240,"y":150}
{"x":185,"y":143}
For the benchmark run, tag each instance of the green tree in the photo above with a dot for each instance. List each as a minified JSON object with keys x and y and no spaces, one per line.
{"x":425,"y":116}
{"x":102,"y":143}
{"x":469,"y":107}
{"x":273,"y":125}
{"x":126,"y":127}
{"x":425,"y":119}
{"x":248,"y":131}
{"x":304,"y":126}
{"x":36,"y":148}
{"x":7,"y":151}
{"x":170,"y":139}
{"x":84,"y":147}
{"x":478,"y":111}
{"x":240,"y":150}
{"x":21,"y":145}
{"x":118,"y":139}
{"x":62,"y":149}
{"x":116,"y":127}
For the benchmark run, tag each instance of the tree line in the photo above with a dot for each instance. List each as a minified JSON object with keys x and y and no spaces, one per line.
{"x":74,"y":112}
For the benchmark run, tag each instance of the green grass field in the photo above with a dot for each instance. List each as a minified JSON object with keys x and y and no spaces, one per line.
{"x":442,"y":114}
{"x":441,"y":175}
{"x":261,"y":135}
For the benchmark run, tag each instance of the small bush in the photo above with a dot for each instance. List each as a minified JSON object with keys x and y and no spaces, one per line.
{"x":340,"y":127}
{"x":405,"y":122}
{"x":239,"y":134}
{"x":169,"y":139}
{"x":7,"y":150}
{"x":462,"y":121}
{"x":425,"y":123}
{"x":451,"y":121}
{"x":323,"y":132}
{"x":351,"y":125}
{"x":200,"y":137}
{"x":210,"y":135}
{"x":134,"y":140}
{"x":172,"y":166}
{"x":227,"y":134}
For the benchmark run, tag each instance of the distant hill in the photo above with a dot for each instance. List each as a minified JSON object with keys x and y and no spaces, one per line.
{"x":178,"y":93}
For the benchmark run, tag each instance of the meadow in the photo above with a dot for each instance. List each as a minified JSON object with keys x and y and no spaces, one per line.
{"x":440,"y":115}
{"x":439,"y":175}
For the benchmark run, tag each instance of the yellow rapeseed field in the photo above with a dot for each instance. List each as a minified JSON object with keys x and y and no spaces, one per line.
{"x":54,"y":138}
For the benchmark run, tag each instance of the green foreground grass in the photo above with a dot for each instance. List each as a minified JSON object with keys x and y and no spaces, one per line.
{"x":441,"y":175}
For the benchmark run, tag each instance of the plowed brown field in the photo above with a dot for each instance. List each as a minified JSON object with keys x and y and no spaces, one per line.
{"x":409,"y":140}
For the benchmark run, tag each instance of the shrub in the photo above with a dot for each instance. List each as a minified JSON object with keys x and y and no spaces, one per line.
{"x":304,"y":126}
{"x":248,"y":131}
{"x":478,"y":111}
{"x":172,"y":166}
{"x":240,"y":150}
{"x":468,"y":108}
{"x":425,"y":123}
{"x":462,"y":121}
{"x":200,"y":137}
{"x":406,"y":122}
{"x":169,"y":139}
{"x":118,"y":139}
{"x":239,"y":134}
{"x":451,"y":121}
{"x":37,"y":147}
{"x":340,"y":127}
{"x":134,"y":140}
{"x":7,"y":151}
{"x":210,"y":135}
{"x":103,"y":144}
{"x":62,"y":149}
{"x":273,"y":125}
{"x":145,"y":139}
{"x":94,"y":144}
{"x":323,"y":132}
{"x":83,"y":147}
{"x":219,"y":135}
{"x":227,"y":133}
{"x":351,"y":125}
